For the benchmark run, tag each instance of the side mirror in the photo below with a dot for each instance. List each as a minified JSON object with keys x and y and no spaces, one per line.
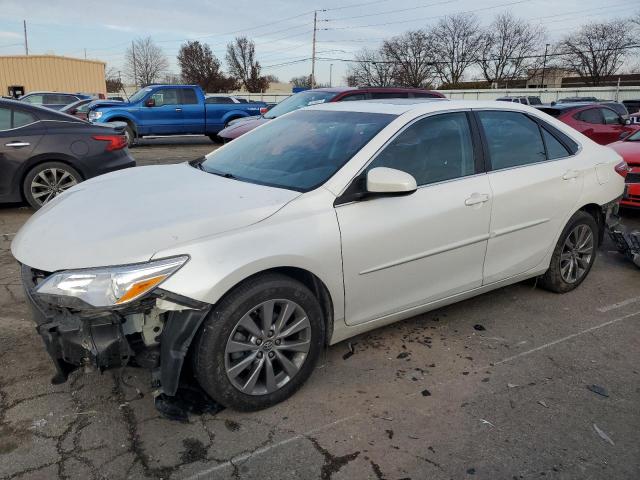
{"x":383,"y":180}
{"x":151,"y":102}
{"x":626,"y":122}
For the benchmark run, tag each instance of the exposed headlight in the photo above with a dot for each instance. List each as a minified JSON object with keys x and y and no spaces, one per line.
{"x":94,"y":115}
{"x":111,"y":286}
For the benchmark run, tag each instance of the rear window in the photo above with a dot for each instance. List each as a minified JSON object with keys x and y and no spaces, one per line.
{"x":218,"y":100}
{"x":188,"y":96}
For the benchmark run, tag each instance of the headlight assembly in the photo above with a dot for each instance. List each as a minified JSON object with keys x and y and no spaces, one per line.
{"x":111,"y":286}
{"x":94,"y":115}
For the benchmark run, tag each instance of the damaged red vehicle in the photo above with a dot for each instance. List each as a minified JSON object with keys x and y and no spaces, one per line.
{"x":629,"y":149}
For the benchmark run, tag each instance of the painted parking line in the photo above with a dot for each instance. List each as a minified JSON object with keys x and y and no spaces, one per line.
{"x":267,"y":448}
{"x":568,"y":337}
{"x":621,"y":304}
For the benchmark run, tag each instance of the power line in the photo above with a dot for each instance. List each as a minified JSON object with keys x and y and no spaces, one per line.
{"x":387,"y":12}
{"x":350,"y":27}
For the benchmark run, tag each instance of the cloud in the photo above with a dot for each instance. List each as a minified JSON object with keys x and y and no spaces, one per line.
{"x":118,"y":28}
{"x":9,"y":35}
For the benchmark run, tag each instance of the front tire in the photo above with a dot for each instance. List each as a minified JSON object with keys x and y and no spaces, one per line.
{"x":46,"y":181}
{"x":130,"y":133}
{"x":573,"y":255}
{"x":260,"y":343}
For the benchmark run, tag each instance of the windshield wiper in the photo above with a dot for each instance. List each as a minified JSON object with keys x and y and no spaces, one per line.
{"x":221,"y":174}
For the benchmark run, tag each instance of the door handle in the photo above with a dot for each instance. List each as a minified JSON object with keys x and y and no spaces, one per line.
{"x":570,"y":175}
{"x":178,"y":109}
{"x":476,"y":198}
{"x":17,"y":144}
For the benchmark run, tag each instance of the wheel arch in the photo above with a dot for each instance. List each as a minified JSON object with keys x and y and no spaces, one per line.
{"x":598,"y":215}
{"x":49,"y":157}
{"x":123,"y":118}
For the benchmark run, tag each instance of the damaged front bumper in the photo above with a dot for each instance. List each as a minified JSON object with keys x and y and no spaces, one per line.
{"x":154,"y":332}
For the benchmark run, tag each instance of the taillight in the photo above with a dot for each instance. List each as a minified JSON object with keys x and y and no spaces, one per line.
{"x":263,"y":110}
{"x":116,"y":142}
{"x":622,"y":169}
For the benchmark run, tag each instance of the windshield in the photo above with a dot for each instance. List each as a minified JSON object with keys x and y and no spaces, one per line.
{"x":139,"y":95}
{"x":298,"y":152}
{"x":299,"y":100}
{"x":634,"y":137}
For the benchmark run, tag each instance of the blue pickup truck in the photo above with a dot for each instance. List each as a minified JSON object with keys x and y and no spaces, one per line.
{"x":173,"y":110}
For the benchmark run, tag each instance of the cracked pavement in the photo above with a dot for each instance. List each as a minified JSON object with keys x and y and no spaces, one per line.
{"x":433,"y":397}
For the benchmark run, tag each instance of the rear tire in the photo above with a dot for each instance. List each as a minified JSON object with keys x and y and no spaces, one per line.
{"x":574,"y":254}
{"x":216,"y":139}
{"x":130,"y":133}
{"x":46,"y":181}
{"x":260,"y":343}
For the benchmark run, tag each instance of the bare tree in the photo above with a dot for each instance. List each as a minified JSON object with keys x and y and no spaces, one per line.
{"x":113,"y":80}
{"x":145,"y":62}
{"x":412,"y":58}
{"x":198,"y":65}
{"x":596,"y":50}
{"x":455,"y":42}
{"x":303,"y":81}
{"x":509,"y":49}
{"x":243,"y":66}
{"x":370,"y":68}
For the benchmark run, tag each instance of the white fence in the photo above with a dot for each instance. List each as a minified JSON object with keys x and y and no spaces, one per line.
{"x":546,"y":95}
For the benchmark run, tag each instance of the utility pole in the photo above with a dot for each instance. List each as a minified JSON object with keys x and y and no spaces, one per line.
{"x":133,"y":55}
{"x":26,"y":43}
{"x":85,"y":53}
{"x":330,"y":73}
{"x":544,"y":64}
{"x":313,"y":51}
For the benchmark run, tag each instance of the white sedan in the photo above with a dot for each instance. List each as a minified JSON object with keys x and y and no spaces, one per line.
{"x":325,"y":223}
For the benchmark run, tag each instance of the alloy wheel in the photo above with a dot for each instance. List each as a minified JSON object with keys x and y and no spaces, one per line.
{"x":577,"y":253}
{"x":50,"y":183}
{"x":267,"y":347}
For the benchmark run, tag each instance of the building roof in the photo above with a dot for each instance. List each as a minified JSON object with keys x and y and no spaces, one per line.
{"x":48,"y":57}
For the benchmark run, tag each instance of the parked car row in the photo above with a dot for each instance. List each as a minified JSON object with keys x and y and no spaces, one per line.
{"x":318,"y":96}
{"x":309,"y":230}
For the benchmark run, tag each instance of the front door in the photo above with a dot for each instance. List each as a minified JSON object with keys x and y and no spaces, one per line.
{"x":535,"y":182}
{"x":403,"y":252}
{"x":165,"y":117}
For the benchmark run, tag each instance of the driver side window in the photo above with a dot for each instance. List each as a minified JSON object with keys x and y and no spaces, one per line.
{"x":433,"y":149}
{"x":166,"y":96}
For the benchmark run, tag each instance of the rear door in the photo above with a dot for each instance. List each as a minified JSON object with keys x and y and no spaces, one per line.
{"x":536,"y":181}
{"x":20,"y":132}
{"x":193,"y":113}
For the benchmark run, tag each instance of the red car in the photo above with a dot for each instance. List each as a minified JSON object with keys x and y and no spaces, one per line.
{"x":322,"y":95}
{"x":629,"y":149}
{"x":598,"y":122}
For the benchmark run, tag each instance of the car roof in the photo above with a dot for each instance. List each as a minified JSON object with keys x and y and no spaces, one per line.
{"x":399,"y":106}
{"x":371,"y":89}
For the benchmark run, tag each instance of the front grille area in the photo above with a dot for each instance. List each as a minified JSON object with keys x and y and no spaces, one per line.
{"x":633,"y":177}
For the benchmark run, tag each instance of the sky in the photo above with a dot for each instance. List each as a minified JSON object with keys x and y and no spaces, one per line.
{"x":281,"y":29}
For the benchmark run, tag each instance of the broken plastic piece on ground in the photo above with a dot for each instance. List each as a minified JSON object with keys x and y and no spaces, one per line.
{"x":627,"y":243}
{"x":479,"y":327}
{"x":603,"y":435}
{"x":486,"y":422}
{"x":426,"y":393}
{"x":512,"y":385}
{"x":598,"y":389}
{"x":189,"y":399}
{"x":542,"y":402}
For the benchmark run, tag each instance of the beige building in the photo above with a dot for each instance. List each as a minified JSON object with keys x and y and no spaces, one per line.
{"x":51,"y":73}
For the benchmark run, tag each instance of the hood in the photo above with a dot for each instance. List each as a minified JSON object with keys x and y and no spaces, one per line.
{"x":127,"y":216}
{"x":629,"y":151}
{"x":237,"y":129}
{"x":108,"y":103}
